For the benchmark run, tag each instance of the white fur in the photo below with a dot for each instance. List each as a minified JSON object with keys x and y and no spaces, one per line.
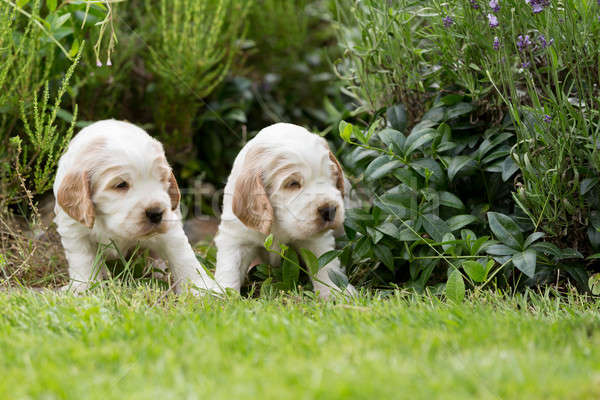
{"x":285,"y":150}
{"x":110,"y":151}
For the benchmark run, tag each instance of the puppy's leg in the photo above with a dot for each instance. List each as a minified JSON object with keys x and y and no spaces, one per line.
{"x":158,"y":267}
{"x":322,"y":282}
{"x":184,"y":265}
{"x":233,"y":261}
{"x":81,"y":255}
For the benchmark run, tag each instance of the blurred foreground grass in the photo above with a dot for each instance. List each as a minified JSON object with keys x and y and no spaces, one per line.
{"x":138,"y":343}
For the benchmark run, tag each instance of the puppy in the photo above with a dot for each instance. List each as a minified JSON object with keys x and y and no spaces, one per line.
{"x":114,"y":184}
{"x":287,"y":183}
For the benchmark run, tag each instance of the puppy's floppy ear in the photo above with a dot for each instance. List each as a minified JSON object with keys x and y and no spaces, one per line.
{"x":251,"y":203}
{"x":339,"y":174}
{"x":174,"y":191}
{"x":75,"y":197}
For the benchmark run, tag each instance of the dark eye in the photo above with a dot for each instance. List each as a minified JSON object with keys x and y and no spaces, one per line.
{"x":122,"y":186}
{"x":293,"y":184}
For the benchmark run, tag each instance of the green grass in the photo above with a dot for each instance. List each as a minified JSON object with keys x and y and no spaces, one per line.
{"x":137,"y":343}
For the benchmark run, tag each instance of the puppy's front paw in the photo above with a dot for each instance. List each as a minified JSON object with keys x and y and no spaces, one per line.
{"x":76,"y":288}
{"x":199,"y":287}
{"x":325,"y":292}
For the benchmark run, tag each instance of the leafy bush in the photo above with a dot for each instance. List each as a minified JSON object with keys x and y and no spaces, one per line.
{"x":512,"y":64}
{"x":439,"y":194}
{"x":512,"y":57}
{"x":39,"y":54}
{"x":191,"y":52}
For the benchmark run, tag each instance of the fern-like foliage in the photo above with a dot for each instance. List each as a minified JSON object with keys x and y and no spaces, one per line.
{"x":46,"y":140}
{"x":196,"y":42}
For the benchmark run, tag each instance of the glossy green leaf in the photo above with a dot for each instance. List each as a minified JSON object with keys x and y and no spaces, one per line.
{"x":525,"y":261}
{"x":448,"y":199}
{"x":456,"y":164}
{"x":380,"y":167}
{"x":594,"y":284}
{"x":475,"y":270}
{"x":509,"y":167}
{"x":396,"y":116}
{"x":460,"y":221}
{"x":455,"y":287}
{"x":328,"y":257}
{"x":392,"y":137}
{"x":532,"y":238}
{"x":310,"y":260}
{"x":458,"y":110}
{"x":345,"y":130}
{"x":435,"y":227}
{"x":339,"y":279}
{"x":587,"y":185}
{"x":290,"y":269}
{"x":384,"y":254}
{"x":506,"y":230}
{"x":268,"y":242}
{"x":500,"y":250}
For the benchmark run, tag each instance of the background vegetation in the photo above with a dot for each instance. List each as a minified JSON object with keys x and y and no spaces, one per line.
{"x":468,"y":128}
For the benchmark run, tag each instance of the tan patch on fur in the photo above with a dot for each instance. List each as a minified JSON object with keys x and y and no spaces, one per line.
{"x":75,"y":197}
{"x":75,"y":191}
{"x":174,"y":193}
{"x":250,"y":200}
{"x":167,"y":174}
{"x":339,"y":174}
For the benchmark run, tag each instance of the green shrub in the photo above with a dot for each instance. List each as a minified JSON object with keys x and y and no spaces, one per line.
{"x":191,"y":52}
{"x":439,"y":194}
{"x":530,"y":67}
{"x":401,"y":50}
{"x":34,"y":50}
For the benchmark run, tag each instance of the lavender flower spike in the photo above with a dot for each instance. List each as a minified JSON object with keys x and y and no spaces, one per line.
{"x":496,"y":43}
{"x":493,"y":20}
{"x":523,"y":42}
{"x":494,"y":5}
{"x":448,"y":21}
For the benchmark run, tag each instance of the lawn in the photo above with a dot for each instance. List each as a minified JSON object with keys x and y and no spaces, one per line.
{"x":138,"y":343}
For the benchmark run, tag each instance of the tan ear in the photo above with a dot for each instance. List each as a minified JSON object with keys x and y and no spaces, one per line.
{"x":339,"y":183}
{"x":174,"y":193}
{"x":75,"y":197}
{"x":251,"y":203}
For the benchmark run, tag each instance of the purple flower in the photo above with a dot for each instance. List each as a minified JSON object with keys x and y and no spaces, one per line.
{"x":98,"y":63}
{"x":448,"y":21}
{"x":475,"y":5}
{"x":544,"y":43}
{"x":494,"y":5}
{"x":496,"y":43}
{"x":537,"y":6}
{"x":523,"y":42}
{"x":493,"y":20}
{"x":547,"y":118}
{"x":525,"y":64}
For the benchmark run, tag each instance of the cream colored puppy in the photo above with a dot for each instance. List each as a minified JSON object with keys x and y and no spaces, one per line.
{"x":284,"y":182}
{"x":114,"y":184}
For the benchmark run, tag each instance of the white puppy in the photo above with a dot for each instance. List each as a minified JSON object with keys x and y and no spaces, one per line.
{"x":287,"y":183}
{"x":114,"y":184}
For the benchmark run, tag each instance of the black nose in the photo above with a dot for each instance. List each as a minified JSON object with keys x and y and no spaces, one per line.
{"x":327,"y":213}
{"x":154,"y":215}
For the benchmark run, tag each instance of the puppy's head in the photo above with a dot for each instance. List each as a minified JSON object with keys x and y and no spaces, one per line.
{"x":126,"y":186}
{"x":290,"y":183}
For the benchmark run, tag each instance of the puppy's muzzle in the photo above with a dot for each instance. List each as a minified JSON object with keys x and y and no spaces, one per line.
{"x":155,"y":215}
{"x":327,"y":213}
